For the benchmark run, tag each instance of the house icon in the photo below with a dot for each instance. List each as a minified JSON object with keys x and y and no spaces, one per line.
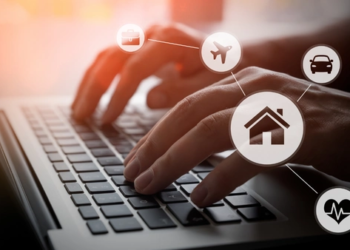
{"x":267,"y":121}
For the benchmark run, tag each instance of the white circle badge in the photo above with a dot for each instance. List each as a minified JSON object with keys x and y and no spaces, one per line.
{"x":332,"y":210}
{"x":221,"y":52}
{"x":130,"y":37}
{"x":321,"y":64}
{"x":267,"y":128}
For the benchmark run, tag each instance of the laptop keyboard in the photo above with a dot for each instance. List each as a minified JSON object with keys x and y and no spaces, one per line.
{"x":97,"y":159}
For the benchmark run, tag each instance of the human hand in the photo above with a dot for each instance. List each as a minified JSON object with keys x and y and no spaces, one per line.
{"x":133,"y":68}
{"x":198,"y":126}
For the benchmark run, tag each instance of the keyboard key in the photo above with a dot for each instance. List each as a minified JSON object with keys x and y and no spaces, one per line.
{"x":143,"y":202}
{"x":123,"y":149}
{"x":203,"y":175}
{"x":186,"y":179}
{"x":66,"y":177}
{"x":105,"y":199}
{"x":109,"y":161}
{"x":205,"y":166}
{"x":241,"y":201}
{"x":222,"y":214}
{"x":44,"y":140}
{"x":96,"y":227}
{"x":89,"y":136}
{"x":80,"y":199}
{"x":172,"y":196}
{"x":73,"y":188}
{"x":120,"y":141}
{"x":120,"y":181}
{"x":88,"y":212}
{"x":73,"y":150}
{"x":95,"y":144}
{"x":92,"y":177}
{"x":54,"y":157}
{"x":60,"y":166}
{"x":218,"y":203}
{"x":187,"y":189}
{"x":49,"y":149}
{"x":40,"y":133}
{"x":79,"y":128}
{"x":100,"y":152}
{"x":125,"y":224}
{"x":58,"y":128}
{"x":129,"y":191}
{"x":187,"y":214}
{"x":67,"y":142}
{"x":116,"y":170}
{"x":99,"y":187}
{"x":256,"y":213}
{"x":78,"y":158}
{"x":156,"y":218}
{"x":85,"y":167}
{"x":238,"y":191}
{"x":62,"y":135}
{"x":171,"y":187}
{"x":111,"y":211}
{"x":134,"y":131}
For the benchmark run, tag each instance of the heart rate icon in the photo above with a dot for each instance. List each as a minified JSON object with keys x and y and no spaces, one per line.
{"x":337,"y":212}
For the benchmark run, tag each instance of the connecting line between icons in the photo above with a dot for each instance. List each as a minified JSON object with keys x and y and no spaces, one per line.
{"x":301,"y":178}
{"x":238,"y":84}
{"x":176,"y":44}
{"x":304,"y":92}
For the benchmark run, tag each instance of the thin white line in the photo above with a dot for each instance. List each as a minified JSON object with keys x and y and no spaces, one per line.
{"x":301,"y":178}
{"x":238,"y":83}
{"x":304,"y":92}
{"x":177,"y":44}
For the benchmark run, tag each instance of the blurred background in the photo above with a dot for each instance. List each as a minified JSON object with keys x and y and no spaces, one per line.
{"x":46,"y":45}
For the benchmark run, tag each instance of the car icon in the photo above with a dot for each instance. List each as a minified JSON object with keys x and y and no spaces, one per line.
{"x":321,"y":63}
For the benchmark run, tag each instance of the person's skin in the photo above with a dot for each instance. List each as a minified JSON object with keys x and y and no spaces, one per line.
{"x":198,"y":126}
{"x":170,"y":154}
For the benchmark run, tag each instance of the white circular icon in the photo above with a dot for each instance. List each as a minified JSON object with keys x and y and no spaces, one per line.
{"x":321,"y":64}
{"x":332,"y":210}
{"x":267,"y":128}
{"x":130,"y":37}
{"x":221,"y":52}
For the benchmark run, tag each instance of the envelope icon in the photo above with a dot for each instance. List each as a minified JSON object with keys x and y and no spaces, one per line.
{"x":130,"y":37}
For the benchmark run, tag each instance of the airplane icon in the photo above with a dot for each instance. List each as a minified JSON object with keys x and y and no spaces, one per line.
{"x":222,"y":50}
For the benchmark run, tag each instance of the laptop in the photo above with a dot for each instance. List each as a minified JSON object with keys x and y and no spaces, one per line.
{"x":68,"y":176}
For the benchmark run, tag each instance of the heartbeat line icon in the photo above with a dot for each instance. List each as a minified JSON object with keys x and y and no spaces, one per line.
{"x":337,"y":212}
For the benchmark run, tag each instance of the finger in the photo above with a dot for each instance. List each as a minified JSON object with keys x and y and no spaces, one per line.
{"x":177,"y":122}
{"x":97,"y":81}
{"x":148,"y":60}
{"x":209,"y":136}
{"x":230,"y":173}
{"x":170,"y":92}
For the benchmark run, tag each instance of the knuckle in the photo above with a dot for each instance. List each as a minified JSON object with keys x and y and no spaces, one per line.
{"x":183,"y":106}
{"x":208,"y":126}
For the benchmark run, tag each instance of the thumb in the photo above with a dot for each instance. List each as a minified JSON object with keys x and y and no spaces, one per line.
{"x":170,"y":91}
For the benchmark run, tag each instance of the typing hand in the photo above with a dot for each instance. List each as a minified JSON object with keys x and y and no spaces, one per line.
{"x":133,"y":68}
{"x":198,"y":126}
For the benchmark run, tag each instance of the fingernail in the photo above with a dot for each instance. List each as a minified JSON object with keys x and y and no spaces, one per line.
{"x":158,"y":99}
{"x":132,"y":169}
{"x":199,"y":194}
{"x":144,"y":179}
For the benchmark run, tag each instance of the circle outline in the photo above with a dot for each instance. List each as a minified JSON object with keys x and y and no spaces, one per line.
{"x":340,"y":64}
{"x":267,"y":165}
{"x":130,"y":52}
{"x":315,"y":207}
{"x":220,"y":72}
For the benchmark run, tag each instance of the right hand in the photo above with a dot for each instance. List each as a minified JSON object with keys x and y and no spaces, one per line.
{"x":133,"y":68}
